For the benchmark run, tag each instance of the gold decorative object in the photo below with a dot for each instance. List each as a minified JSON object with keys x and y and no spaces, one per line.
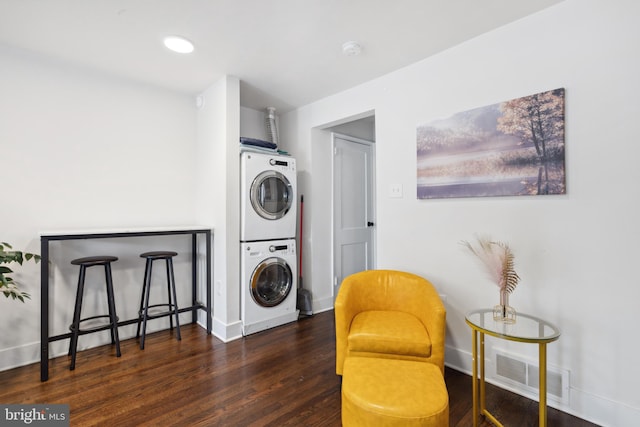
{"x":499,"y":262}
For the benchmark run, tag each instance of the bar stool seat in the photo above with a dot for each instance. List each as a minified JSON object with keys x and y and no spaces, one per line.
{"x":93,"y":325}
{"x":171,"y":307}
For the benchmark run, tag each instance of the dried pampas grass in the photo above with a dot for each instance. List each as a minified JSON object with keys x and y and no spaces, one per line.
{"x":498,"y":260}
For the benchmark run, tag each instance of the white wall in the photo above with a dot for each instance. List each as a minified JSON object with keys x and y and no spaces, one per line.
{"x":575,"y":253}
{"x":83,"y":150}
{"x":253,"y":123}
{"x":218,"y":197}
{"x":363,"y":129}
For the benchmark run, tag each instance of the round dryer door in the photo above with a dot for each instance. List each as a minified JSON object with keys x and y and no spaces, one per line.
{"x":271,"y":195}
{"x":271,"y":282}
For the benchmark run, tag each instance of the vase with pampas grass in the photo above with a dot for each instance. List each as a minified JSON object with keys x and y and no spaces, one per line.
{"x":498,"y":260}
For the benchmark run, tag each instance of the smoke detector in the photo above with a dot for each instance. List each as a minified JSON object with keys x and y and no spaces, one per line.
{"x":351,"y":48}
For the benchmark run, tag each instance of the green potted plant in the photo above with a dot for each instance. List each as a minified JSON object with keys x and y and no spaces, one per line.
{"x":8,"y":286}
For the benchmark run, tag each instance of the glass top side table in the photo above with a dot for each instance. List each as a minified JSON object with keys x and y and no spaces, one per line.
{"x":527,"y":329}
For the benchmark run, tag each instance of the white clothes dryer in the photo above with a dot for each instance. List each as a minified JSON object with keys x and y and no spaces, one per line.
{"x":268,"y":284}
{"x":267,"y":197}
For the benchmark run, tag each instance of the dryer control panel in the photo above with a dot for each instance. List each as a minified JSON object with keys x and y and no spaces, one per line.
{"x":283,"y":164}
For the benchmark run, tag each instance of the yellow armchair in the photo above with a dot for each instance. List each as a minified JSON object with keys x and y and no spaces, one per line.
{"x":389,"y":314}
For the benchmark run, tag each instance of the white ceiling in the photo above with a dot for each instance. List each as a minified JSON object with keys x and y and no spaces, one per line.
{"x":287,"y":53}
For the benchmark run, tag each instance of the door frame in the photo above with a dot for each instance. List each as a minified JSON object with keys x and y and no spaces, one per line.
{"x":372,"y":184}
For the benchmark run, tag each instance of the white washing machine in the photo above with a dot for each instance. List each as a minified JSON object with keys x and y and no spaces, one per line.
{"x":267,"y":197}
{"x":268,"y":282}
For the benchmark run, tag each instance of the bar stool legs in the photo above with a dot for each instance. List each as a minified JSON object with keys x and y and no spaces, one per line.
{"x":172,"y":305}
{"x":75,"y":328}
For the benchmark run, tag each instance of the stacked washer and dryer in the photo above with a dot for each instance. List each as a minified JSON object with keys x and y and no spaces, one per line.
{"x":267,"y":241}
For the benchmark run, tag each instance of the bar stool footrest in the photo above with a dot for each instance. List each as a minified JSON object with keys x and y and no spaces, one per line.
{"x":157,"y":314}
{"x":96,"y":328}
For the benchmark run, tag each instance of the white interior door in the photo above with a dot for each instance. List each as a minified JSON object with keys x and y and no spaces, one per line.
{"x":354,"y":222}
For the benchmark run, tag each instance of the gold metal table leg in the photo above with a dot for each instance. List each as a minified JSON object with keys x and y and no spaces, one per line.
{"x":543,"y":385}
{"x":474,"y":386}
{"x":483,"y":396}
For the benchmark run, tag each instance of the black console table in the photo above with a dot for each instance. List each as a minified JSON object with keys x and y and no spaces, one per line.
{"x":45,"y":238}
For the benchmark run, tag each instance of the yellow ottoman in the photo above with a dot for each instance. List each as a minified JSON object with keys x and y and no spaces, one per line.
{"x":390,"y":392}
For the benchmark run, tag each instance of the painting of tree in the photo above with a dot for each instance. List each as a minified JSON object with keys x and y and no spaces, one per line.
{"x":507,"y":149}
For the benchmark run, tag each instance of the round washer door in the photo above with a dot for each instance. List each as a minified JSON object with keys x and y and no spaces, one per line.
{"x":271,"y":195}
{"x":271,"y":282}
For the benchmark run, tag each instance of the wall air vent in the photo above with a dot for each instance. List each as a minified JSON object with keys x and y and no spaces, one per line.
{"x":523,"y":375}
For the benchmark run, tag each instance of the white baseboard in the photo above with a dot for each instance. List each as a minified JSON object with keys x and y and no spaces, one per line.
{"x":321,"y":305}
{"x":587,"y":406}
{"x":15,"y":357}
{"x":226,"y":332}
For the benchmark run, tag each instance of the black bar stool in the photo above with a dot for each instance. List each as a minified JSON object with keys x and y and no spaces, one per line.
{"x":75,"y":329}
{"x":172,"y":305}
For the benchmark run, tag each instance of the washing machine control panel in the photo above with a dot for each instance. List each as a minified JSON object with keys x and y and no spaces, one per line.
{"x":282,"y":249}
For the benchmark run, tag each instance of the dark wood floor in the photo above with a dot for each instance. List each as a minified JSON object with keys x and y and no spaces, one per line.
{"x":281,"y":377}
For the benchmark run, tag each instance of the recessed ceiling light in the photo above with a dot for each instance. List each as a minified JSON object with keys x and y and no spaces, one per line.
{"x":178,"y":44}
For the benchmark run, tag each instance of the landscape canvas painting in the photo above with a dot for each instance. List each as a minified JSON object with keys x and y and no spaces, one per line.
{"x":512,"y":148}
